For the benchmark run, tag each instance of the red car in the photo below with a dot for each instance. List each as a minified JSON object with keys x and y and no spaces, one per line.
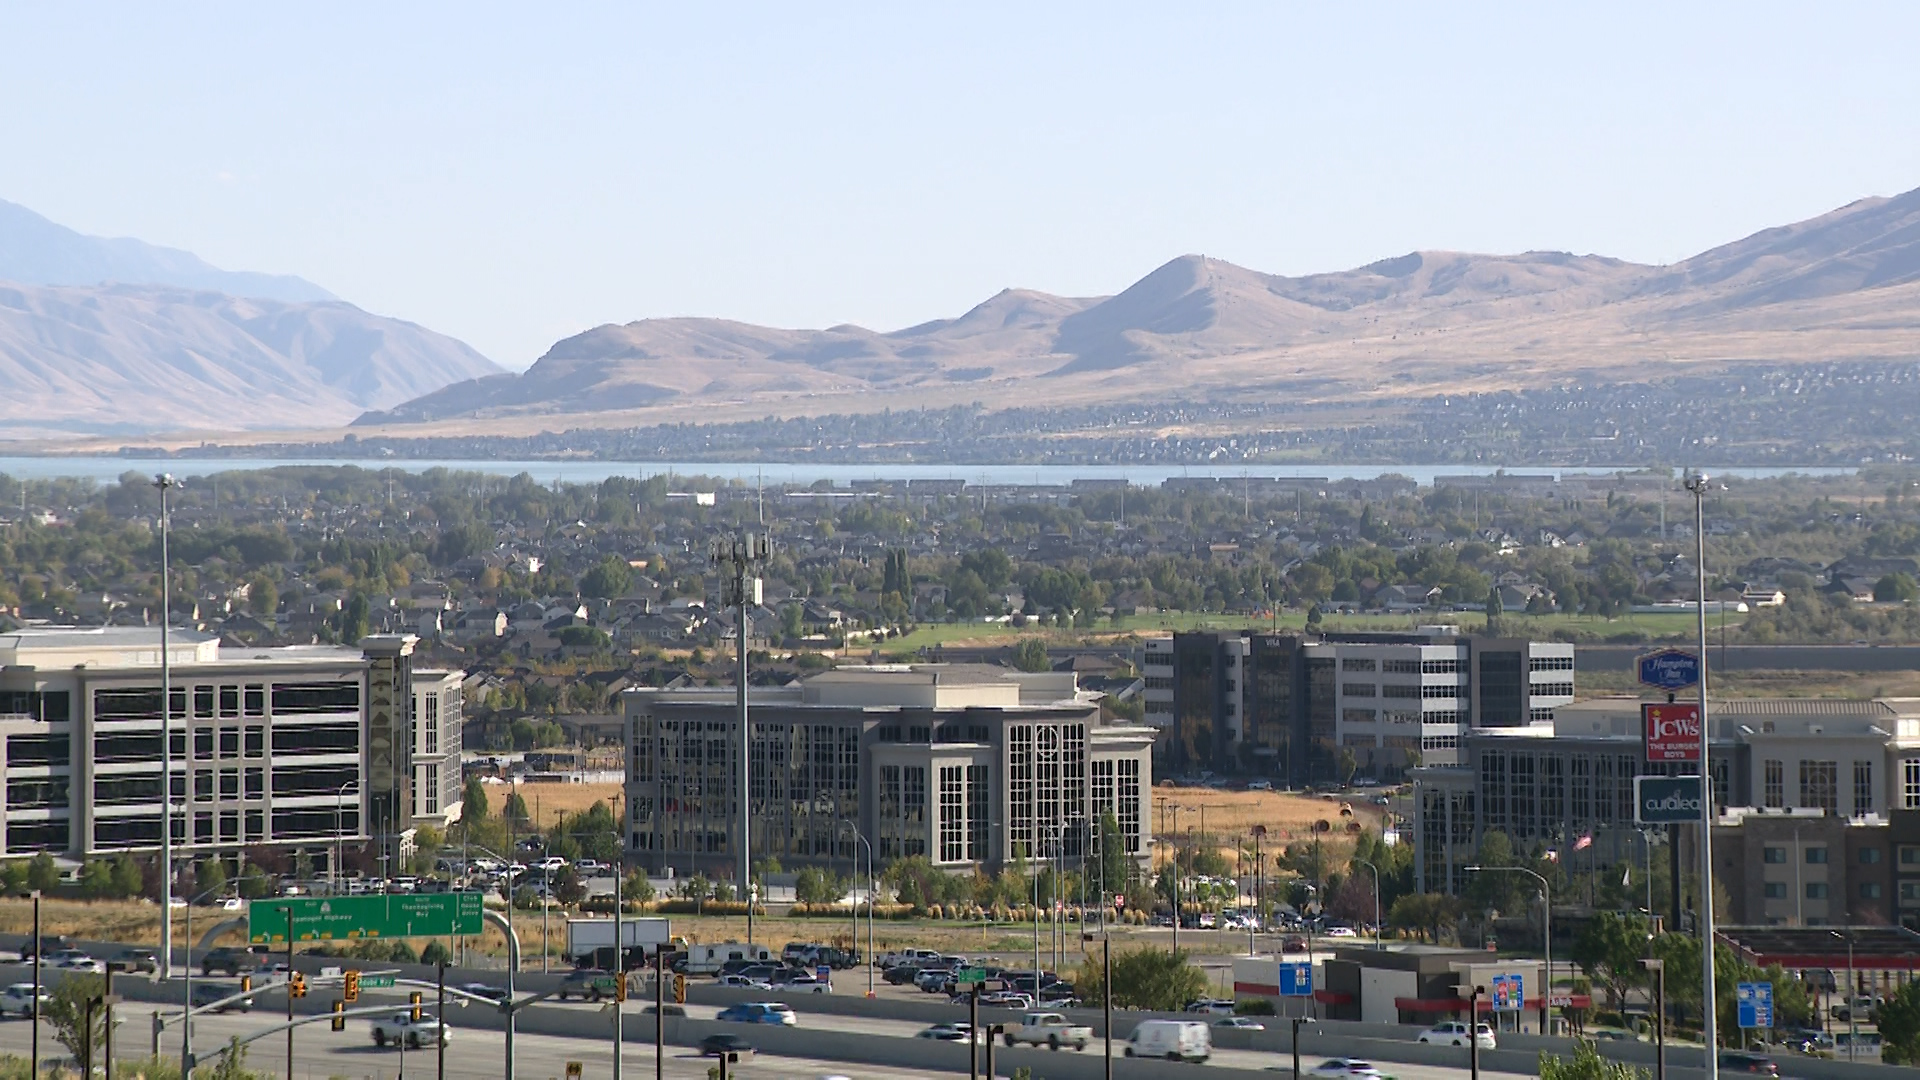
{"x":1293,"y":943}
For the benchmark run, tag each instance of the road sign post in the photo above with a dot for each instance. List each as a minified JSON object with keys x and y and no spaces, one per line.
{"x":1666,"y":800}
{"x":333,"y":918}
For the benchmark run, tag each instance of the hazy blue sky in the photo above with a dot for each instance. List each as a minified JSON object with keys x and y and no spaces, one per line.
{"x":515,"y":174}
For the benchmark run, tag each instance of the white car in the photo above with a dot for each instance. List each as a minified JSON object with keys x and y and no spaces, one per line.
{"x":1454,"y":1033}
{"x":1346,"y":1067}
{"x":949,"y":1033}
{"x":401,"y":1029}
{"x":741,"y":982}
{"x":18,"y":1000}
{"x":78,"y":962}
{"x":552,"y":864}
{"x":1348,"y":931}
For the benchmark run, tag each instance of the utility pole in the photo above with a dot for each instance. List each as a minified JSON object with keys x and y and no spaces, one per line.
{"x":165,"y":482}
{"x":738,"y":558}
{"x":1698,"y":485}
{"x":1658,"y":968}
{"x":439,"y":1021}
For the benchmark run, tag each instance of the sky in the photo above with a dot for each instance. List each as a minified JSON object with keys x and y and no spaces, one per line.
{"x":515,"y":174}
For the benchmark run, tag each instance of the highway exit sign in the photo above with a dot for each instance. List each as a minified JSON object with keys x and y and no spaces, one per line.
{"x":333,"y":918}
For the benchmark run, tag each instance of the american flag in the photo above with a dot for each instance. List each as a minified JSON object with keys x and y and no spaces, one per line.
{"x":1583,"y":843}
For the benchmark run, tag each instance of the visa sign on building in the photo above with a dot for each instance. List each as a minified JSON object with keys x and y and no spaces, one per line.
{"x":1672,"y":731}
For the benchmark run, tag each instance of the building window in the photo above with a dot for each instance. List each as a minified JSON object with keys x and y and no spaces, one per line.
{"x":978,"y":797}
{"x":1772,"y":855}
{"x":1357,"y":663}
{"x":256,"y":783}
{"x":1553,"y":689}
{"x":1775,"y":890}
{"x":1440,"y":667}
{"x":1909,"y":890}
{"x":913,"y":809}
{"x":1550,"y":663}
{"x":256,"y":741}
{"x":1816,"y":890}
{"x":1816,"y":856}
{"x":953,"y":814}
{"x":1360,"y":689}
{"x":1910,"y":784}
{"x":1862,"y":788}
{"x":1775,"y":783}
{"x":1869,"y":890}
{"x":430,"y":725}
{"x":1358,"y":716}
{"x":1869,"y":856}
{"x":1439,"y":742}
{"x":430,"y":796}
{"x":1819,"y":785}
{"x":1400,"y":667}
{"x":1130,"y":803}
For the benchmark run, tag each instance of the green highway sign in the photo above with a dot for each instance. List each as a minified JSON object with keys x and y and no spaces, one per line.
{"x":376,"y":982}
{"x":332,"y":918}
{"x":970,"y":976}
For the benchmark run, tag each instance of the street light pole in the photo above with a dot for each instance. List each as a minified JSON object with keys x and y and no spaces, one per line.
{"x":1698,"y":483}
{"x":738,"y":557}
{"x":1658,"y":968}
{"x":165,"y":482}
{"x":1376,"y":899}
{"x":1546,"y":898}
{"x":1853,"y":1008}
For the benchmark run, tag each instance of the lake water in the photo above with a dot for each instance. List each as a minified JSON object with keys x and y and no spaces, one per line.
{"x":108,"y":469}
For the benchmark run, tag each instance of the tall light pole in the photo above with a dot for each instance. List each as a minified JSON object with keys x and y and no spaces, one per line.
{"x":738,"y":557}
{"x":1697,"y":483}
{"x":1546,"y":899}
{"x":165,"y":482}
{"x":1853,"y":1006}
{"x":1376,"y":902}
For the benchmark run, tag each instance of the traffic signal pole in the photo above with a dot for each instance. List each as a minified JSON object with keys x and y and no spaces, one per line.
{"x":659,"y":1013}
{"x":289,"y":993}
{"x":440,"y":1029}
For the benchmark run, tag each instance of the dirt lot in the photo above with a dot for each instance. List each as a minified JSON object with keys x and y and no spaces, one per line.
{"x":547,"y":801}
{"x":1230,"y":816}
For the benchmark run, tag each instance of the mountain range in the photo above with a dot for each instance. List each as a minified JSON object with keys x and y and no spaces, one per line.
{"x":120,"y":336}
{"x":1843,"y":286}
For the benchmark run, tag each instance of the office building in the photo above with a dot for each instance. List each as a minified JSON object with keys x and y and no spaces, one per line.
{"x":438,"y":717}
{"x":1818,"y":803}
{"x":965,"y":765}
{"x":269,"y":744}
{"x":1308,"y":707}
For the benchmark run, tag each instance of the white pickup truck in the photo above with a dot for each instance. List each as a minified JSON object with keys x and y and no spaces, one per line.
{"x":1048,"y":1029}
{"x":403,"y":1030}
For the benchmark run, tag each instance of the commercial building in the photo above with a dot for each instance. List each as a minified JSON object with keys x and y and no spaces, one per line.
{"x":438,"y":721}
{"x":271,"y":747}
{"x":964,"y":765}
{"x":1819,"y":804}
{"x":1307,"y":707}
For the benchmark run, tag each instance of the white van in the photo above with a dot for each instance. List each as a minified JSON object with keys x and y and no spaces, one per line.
{"x":1175,"y":1040}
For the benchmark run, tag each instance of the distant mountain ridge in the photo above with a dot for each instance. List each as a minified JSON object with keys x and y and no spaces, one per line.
{"x":100,"y":335}
{"x":1844,"y":285}
{"x":36,"y":251}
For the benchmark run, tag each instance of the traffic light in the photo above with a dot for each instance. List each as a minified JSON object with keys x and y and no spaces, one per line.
{"x":413,"y":999}
{"x":680,"y":988}
{"x":339,"y":1015}
{"x":620,"y":987}
{"x":352,"y":986}
{"x":297,"y":984}
{"x":246,"y":983}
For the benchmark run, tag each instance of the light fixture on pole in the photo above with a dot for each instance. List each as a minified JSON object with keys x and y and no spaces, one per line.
{"x":738,"y":557}
{"x":1376,"y":899}
{"x":1698,"y":484}
{"x":1546,"y":899}
{"x":165,"y":482}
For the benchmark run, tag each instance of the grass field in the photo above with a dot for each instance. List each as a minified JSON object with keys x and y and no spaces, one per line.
{"x":1662,"y":625}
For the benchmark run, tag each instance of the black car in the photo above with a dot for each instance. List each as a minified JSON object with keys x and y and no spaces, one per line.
{"x":724,"y":1043}
{"x":207,"y":993}
{"x":135,"y":960}
{"x":901,"y":974}
{"x":1758,"y":1064}
{"x":668,"y":1009}
{"x":228,"y":960}
{"x":491,"y":993}
{"x":49,"y":943}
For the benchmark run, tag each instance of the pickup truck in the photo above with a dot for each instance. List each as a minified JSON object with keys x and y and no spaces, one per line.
{"x":1048,"y":1029}
{"x":401,"y":1029}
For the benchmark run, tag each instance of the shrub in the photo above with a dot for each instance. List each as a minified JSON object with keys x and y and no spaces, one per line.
{"x":1254,"y":1007}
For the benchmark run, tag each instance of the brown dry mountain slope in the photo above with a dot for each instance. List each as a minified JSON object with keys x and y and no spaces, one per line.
{"x":1839,"y":287}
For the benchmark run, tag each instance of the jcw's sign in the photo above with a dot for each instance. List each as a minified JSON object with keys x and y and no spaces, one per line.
{"x":1672,"y":731}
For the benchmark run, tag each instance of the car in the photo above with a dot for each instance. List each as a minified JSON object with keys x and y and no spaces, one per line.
{"x":1267,"y":785}
{"x":1455,"y":1033}
{"x":587,"y":867}
{"x":1350,"y":932}
{"x":49,"y":943}
{"x":1346,"y":1067}
{"x":948,"y":1033}
{"x":206,"y":993}
{"x":491,"y":993}
{"x":17,"y":1000}
{"x":80,"y":964}
{"x":900,"y":975}
{"x":1008,"y":999}
{"x":591,"y":984}
{"x":741,"y":982}
{"x":759,"y":1012}
{"x":402,"y":1030}
{"x":1297,"y":943}
{"x":135,"y":960}
{"x":1211,"y":1006}
{"x":1742,"y":1062}
{"x":1242,"y":1023}
{"x":227,"y":960}
{"x":669,"y":1009}
{"x":1048,"y":1029}
{"x":724,"y":1044}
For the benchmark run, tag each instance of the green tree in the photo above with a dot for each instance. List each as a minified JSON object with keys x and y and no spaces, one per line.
{"x":568,"y":888}
{"x":1143,"y":978}
{"x":42,"y":874}
{"x":65,"y":1012}
{"x":210,"y":877}
{"x":1899,"y":1021}
{"x":436,"y":952}
{"x":637,"y":888}
{"x":1895,"y":588}
{"x":1587,"y":1064}
{"x":1609,"y":950}
{"x":263,"y":597}
{"x":127,"y":878}
{"x":1494,"y":610}
{"x":1030,"y":654}
{"x":233,"y":1063}
{"x":473,"y":800}
{"x":517,"y":807}
{"x":96,"y":879}
{"x":609,"y":578}
{"x":354,"y":618}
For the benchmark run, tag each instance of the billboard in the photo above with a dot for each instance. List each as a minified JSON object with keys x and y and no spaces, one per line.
{"x":1666,"y":800}
{"x":1672,"y":731}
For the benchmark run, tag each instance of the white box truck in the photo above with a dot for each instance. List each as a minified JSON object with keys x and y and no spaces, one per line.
{"x":592,"y":939}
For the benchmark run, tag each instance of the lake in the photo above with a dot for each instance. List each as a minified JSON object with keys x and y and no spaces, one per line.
{"x":108,"y":469}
